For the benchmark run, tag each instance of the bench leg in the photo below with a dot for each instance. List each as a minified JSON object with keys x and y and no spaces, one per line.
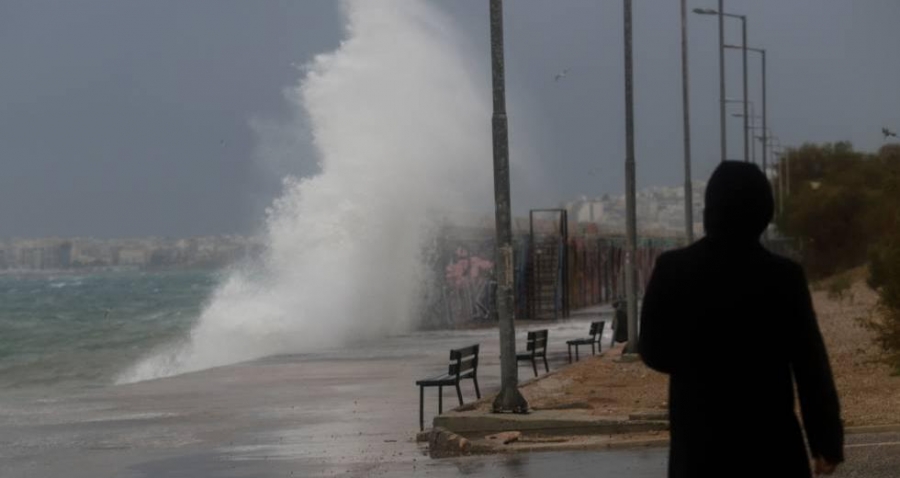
{"x":546,"y":366}
{"x":570,"y":353}
{"x":421,"y":412}
{"x":440,"y":400}
{"x":459,"y":394}
{"x":534,"y":365}
{"x":477,"y":392}
{"x":593,"y":351}
{"x":576,"y":354}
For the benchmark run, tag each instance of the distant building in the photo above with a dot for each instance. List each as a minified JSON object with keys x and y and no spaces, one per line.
{"x":55,"y":253}
{"x":64,"y":255}
{"x":164,"y":257}
{"x":660,"y":210}
{"x":130,"y":257}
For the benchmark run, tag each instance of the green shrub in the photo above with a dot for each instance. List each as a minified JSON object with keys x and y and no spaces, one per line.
{"x":884,"y":273}
{"x":843,"y":207}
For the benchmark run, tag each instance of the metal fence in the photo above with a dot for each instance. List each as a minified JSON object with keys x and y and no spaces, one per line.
{"x":462,"y":289}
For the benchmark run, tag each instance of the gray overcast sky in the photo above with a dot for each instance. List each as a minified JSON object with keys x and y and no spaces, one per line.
{"x":124,"y":118}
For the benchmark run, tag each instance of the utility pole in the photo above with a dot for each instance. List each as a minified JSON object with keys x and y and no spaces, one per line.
{"x":781,"y":187}
{"x":509,"y":399}
{"x":630,"y":192}
{"x":686,"y":106}
{"x":765,"y":116}
{"x":746,"y":99}
{"x":752,"y":128}
{"x":722,"y":118}
{"x":787,"y":174}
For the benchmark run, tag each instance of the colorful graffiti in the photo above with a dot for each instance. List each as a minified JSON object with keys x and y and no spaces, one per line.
{"x":469,"y":286}
{"x":464,"y":291}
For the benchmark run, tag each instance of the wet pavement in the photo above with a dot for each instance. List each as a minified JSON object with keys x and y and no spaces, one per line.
{"x":350,"y":412}
{"x":354,"y":409}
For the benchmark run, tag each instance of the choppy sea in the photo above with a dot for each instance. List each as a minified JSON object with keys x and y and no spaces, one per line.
{"x":82,"y":330}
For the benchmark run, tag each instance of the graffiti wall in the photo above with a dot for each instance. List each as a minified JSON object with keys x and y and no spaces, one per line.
{"x":462,"y":288}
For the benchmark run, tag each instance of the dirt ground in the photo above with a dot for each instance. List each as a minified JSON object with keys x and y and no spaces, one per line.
{"x":870,"y":394}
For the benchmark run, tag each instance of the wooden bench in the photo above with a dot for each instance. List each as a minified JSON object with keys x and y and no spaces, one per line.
{"x":536,"y":347}
{"x":463,"y":364}
{"x":596,"y":333}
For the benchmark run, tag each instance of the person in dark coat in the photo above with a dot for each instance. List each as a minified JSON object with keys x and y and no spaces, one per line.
{"x":734,"y":328}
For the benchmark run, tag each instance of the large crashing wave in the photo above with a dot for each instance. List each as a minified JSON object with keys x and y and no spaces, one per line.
{"x":400,"y":119}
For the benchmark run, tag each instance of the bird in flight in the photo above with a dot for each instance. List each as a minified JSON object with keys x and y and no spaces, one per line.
{"x":888,"y":133}
{"x":561,"y":75}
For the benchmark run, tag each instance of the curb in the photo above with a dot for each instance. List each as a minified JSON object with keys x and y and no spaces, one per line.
{"x":857,"y":430}
{"x":478,"y":446}
{"x":546,"y":422}
{"x":444,"y":443}
{"x":483,"y":447}
{"x":617,"y":445}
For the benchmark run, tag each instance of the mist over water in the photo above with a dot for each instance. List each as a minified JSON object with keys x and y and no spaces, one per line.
{"x":400,"y":119}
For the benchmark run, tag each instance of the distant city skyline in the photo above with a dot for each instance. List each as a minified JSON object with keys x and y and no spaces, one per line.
{"x":168,"y":118}
{"x":660,"y":210}
{"x":42,"y":254}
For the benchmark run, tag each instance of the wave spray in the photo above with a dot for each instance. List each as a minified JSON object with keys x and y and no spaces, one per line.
{"x":400,"y":119}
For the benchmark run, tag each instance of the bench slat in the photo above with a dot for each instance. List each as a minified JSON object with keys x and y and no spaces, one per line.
{"x":536,"y":341}
{"x":463,"y":360}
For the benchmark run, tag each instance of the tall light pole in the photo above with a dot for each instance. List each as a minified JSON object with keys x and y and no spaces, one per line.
{"x":744,"y":107}
{"x":787,"y":172}
{"x":630,"y":190}
{"x":762,"y":139}
{"x":765,"y":110}
{"x":765,"y":113}
{"x":781,"y":188}
{"x":722,"y":119}
{"x":785,"y":179}
{"x":743,"y":18}
{"x":686,"y":107}
{"x":723,"y":136}
{"x":744,"y":59}
{"x":778,"y":153}
{"x":752,"y":158}
{"x":509,"y":399}
{"x":753,"y":127}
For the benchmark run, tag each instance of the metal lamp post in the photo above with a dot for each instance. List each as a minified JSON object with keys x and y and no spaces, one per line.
{"x":630,"y":190}
{"x":763,"y":138}
{"x":509,"y":399}
{"x":686,"y":119}
{"x":746,"y":105}
{"x":753,"y":127}
{"x":777,"y":154}
{"x":781,"y":177}
{"x":723,"y":137}
{"x":765,"y":114}
{"x":743,"y":18}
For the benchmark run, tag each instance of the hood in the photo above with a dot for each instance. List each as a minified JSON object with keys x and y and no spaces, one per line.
{"x":739,"y":202}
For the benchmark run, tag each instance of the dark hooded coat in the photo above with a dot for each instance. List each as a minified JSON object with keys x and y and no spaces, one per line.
{"x":733,"y":325}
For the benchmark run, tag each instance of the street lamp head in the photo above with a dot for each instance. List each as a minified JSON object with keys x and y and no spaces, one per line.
{"x":706,"y":11}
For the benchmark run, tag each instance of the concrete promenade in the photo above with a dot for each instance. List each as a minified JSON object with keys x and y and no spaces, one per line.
{"x":346,"y":412}
{"x":353,"y":410}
